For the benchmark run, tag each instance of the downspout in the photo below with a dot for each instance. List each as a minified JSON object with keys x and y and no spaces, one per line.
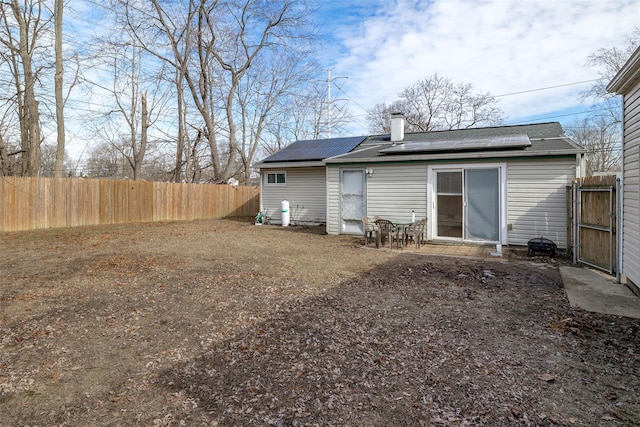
{"x":261,"y":205}
{"x":576,"y":238}
{"x":620,"y":200}
{"x":619,"y":230}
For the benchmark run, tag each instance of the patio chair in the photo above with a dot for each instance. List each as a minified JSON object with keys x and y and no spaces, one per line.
{"x":369,"y":226}
{"x":415,"y":232}
{"x":385,"y":229}
{"x":397,"y":236}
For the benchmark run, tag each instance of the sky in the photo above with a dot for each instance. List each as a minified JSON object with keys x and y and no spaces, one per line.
{"x":511,"y":49}
{"x":530,"y":54}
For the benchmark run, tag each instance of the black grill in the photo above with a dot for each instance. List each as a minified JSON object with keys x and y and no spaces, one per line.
{"x":542,"y":245}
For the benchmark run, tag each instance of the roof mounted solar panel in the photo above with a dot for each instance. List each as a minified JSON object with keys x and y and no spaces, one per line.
{"x":478,"y":143}
{"x":319,"y":149}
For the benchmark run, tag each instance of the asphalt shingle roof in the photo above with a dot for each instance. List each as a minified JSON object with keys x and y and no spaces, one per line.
{"x":540,"y":138}
{"x":544,"y":139}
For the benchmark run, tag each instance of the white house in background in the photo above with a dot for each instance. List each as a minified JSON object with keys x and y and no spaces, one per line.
{"x":504,"y":184}
{"x":627,"y":84}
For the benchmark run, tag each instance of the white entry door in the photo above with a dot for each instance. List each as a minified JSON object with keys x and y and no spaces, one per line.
{"x":352,"y":186}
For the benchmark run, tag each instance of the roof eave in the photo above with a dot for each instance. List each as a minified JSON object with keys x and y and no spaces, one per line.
{"x":457,"y":156}
{"x":628,"y":75}
{"x":283,"y":165}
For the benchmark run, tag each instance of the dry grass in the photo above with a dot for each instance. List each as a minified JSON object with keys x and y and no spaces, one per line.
{"x":225,"y":323}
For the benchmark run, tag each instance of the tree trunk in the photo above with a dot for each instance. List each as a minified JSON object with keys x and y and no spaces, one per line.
{"x":180,"y":139}
{"x":5,"y":166}
{"x":31,"y":125}
{"x":138,"y":156}
{"x":59,"y":80}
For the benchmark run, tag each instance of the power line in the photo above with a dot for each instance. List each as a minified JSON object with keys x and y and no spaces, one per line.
{"x":547,"y":88}
{"x":557,"y":116}
{"x":508,"y":94}
{"x":352,"y":100}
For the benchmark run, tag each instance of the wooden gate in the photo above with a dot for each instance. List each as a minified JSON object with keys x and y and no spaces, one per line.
{"x":595,"y":222}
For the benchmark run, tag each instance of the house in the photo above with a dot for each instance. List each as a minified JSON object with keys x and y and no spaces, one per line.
{"x":504,"y":184}
{"x":627,"y":84}
{"x":297,"y":174}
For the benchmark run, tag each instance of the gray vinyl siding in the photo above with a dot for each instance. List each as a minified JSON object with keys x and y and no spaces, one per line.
{"x":631,"y":186}
{"x":394,"y":191}
{"x":305,"y":191}
{"x":333,"y":200}
{"x":537,"y":200}
{"x":536,"y":196}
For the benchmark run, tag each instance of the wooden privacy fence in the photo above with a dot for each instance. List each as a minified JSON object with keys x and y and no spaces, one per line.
{"x":595,"y":215}
{"x":33,"y":203}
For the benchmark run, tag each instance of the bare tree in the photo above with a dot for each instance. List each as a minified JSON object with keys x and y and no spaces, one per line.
{"x":23,"y":26}
{"x":302,"y":115}
{"x":607,"y":62}
{"x":600,"y":138}
{"x":436,"y":103}
{"x":10,"y":152}
{"x":135,"y":88}
{"x":233,"y":67}
{"x":601,"y":132}
{"x":125,"y":93}
{"x":379,"y":117}
{"x":263,"y":100}
{"x":105,"y":160}
{"x":165,"y":32}
{"x":256,"y":26}
{"x":5,"y":164}
{"x":218,"y":56}
{"x":174,"y":27}
{"x":48,"y":160}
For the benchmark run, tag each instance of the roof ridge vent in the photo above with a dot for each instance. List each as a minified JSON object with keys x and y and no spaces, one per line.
{"x":397,"y":128}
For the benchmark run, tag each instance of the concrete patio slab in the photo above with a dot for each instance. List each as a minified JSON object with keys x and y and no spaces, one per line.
{"x":596,"y":292}
{"x":587,"y":289}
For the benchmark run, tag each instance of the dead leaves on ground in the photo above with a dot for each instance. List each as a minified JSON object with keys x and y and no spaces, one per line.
{"x":226,"y":323}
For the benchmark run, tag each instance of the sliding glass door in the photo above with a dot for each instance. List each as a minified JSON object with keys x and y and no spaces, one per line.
{"x":467,"y":203}
{"x":482,"y":214}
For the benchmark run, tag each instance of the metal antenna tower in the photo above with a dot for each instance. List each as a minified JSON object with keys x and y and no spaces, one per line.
{"x":329,"y":101}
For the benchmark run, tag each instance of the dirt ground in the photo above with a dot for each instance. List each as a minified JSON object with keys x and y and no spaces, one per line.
{"x":224,"y":323}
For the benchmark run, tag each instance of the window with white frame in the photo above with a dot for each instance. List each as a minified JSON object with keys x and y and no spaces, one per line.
{"x":277,"y":178}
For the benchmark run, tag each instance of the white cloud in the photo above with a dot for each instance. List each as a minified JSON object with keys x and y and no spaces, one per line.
{"x":499,"y":46}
